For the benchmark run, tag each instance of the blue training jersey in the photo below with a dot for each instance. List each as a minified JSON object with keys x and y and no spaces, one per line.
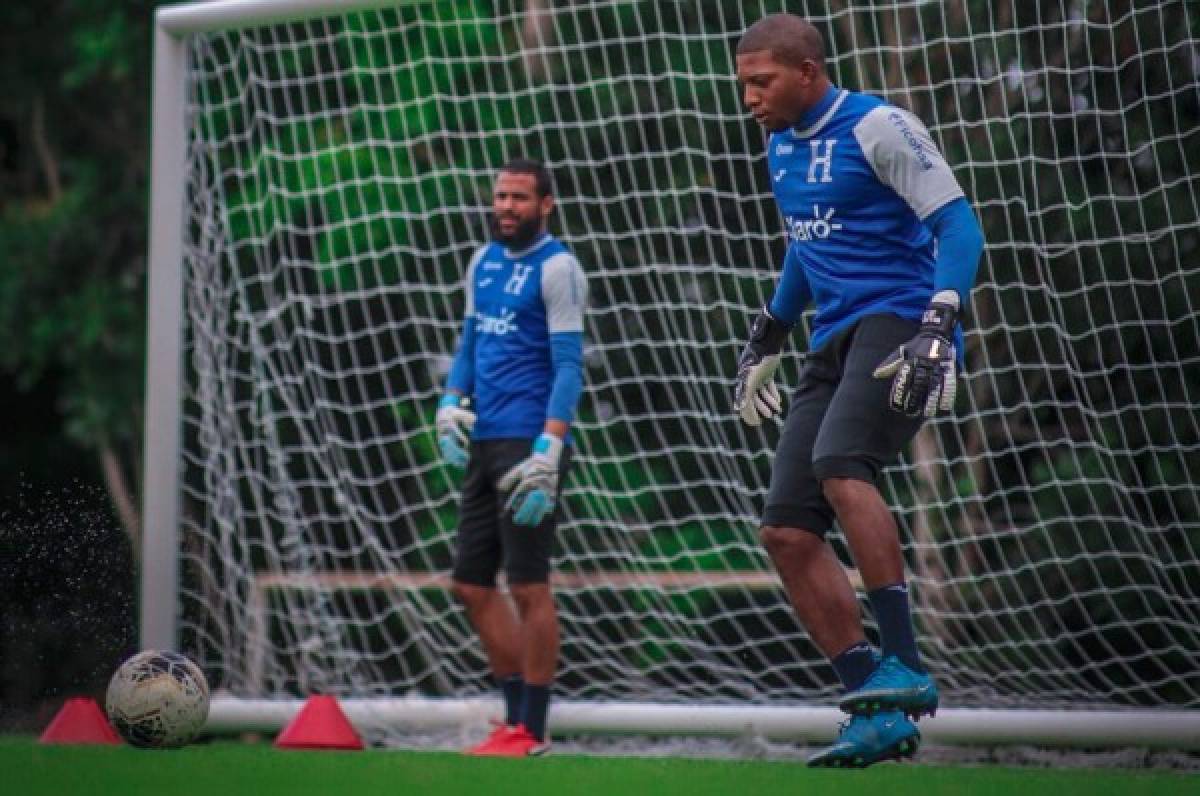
{"x":854,"y":179}
{"x":515,"y":301}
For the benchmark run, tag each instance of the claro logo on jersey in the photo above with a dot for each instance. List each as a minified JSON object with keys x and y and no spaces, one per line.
{"x":500,"y":324}
{"x":819,"y":227}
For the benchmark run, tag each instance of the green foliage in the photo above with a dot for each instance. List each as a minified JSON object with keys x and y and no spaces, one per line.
{"x":73,"y":210}
{"x":68,"y":315}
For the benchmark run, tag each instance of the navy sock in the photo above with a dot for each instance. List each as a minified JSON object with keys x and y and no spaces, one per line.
{"x":534,"y":705}
{"x":854,"y":665}
{"x":511,"y":688}
{"x":890,"y":606}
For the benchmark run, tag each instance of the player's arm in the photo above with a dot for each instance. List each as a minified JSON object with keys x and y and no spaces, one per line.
{"x":566,"y":359}
{"x":755,"y":395}
{"x":534,"y":482}
{"x":960,"y":245}
{"x":461,"y":379}
{"x":924,"y":371}
{"x":454,"y":419}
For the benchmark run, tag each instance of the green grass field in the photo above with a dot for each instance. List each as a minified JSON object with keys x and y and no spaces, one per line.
{"x":226,"y":769}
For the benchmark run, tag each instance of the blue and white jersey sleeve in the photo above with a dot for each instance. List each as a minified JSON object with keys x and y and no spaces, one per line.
{"x":472,"y":267}
{"x":903,"y":156}
{"x":461,"y":378}
{"x":792,"y":294}
{"x":564,"y":293}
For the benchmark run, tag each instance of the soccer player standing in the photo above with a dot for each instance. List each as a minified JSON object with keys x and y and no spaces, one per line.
{"x":505,"y":417}
{"x":883,"y":241}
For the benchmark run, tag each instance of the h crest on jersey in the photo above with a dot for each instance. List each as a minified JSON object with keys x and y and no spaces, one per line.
{"x":516,"y":282}
{"x":821,"y":163}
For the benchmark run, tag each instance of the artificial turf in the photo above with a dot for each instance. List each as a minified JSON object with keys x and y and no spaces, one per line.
{"x":227,"y":768}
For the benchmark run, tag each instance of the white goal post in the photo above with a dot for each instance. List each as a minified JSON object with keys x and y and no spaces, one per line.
{"x":320,"y":175}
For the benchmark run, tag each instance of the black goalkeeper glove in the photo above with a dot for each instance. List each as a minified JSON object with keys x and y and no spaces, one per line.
{"x":755,"y":395}
{"x":924,"y":370}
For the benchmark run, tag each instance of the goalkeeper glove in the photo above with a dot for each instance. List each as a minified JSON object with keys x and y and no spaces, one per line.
{"x":923,"y":370}
{"x":454,"y":423}
{"x":755,"y":395}
{"x":534,"y":482}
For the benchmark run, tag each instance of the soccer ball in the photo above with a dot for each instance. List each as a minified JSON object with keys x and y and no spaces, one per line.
{"x":157,"y":699}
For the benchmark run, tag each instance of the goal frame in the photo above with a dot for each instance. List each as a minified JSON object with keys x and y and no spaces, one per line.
{"x":159,"y":621}
{"x":159,"y":617}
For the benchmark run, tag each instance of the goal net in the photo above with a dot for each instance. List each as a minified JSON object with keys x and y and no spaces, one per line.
{"x":338,"y":178}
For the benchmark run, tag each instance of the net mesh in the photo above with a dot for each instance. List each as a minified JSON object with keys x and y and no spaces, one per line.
{"x":339,"y":179}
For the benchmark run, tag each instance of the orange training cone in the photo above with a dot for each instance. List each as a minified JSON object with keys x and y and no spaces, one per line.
{"x":80,"y":720}
{"x":320,"y":724}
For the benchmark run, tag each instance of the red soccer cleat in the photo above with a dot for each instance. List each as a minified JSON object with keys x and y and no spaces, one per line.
{"x":510,"y":741}
{"x":499,"y":732}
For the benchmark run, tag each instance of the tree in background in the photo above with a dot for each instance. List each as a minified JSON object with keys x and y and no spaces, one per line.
{"x":74,"y":132}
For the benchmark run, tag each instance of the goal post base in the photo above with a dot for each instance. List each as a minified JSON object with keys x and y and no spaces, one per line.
{"x":1171,"y":729}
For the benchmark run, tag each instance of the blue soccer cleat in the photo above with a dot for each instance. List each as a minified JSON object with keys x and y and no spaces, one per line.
{"x":866,"y":740}
{"x":893,"y":686}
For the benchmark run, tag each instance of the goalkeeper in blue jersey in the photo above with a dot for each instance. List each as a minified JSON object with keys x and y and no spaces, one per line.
{"x":505,"y":417}
{"x":882,"y":240}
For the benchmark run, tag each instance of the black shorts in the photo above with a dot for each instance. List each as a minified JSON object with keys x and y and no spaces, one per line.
{"x":839,"y":424}
{"x":487,"y":536}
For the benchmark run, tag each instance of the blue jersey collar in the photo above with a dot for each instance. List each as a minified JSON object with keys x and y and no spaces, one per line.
{"x":815,"y":117}
{"x":538,"y":243}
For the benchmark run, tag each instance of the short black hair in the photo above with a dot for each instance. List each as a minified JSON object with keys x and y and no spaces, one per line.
{"x":541,"y":174}
{"x":790,"y":39}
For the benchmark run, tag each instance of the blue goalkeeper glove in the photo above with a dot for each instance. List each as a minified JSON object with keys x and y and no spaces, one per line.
{"x":454,"y":423}
{"x":534,"y":482}
{"x":924,"y":370}
{"x":755,"y":396}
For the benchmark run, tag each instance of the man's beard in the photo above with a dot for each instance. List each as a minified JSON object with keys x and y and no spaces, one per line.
{"x":523,"y":235}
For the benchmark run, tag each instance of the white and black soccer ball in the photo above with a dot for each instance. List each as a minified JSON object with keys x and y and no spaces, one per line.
{"x":157,"y":699}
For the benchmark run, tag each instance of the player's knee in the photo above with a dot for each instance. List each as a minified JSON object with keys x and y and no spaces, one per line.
{"x":788,"y":544}
{"x":772,"y":537}
{"x":531,"y":598}
{"x":842,"y":492}
{"x":470,"y":594}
